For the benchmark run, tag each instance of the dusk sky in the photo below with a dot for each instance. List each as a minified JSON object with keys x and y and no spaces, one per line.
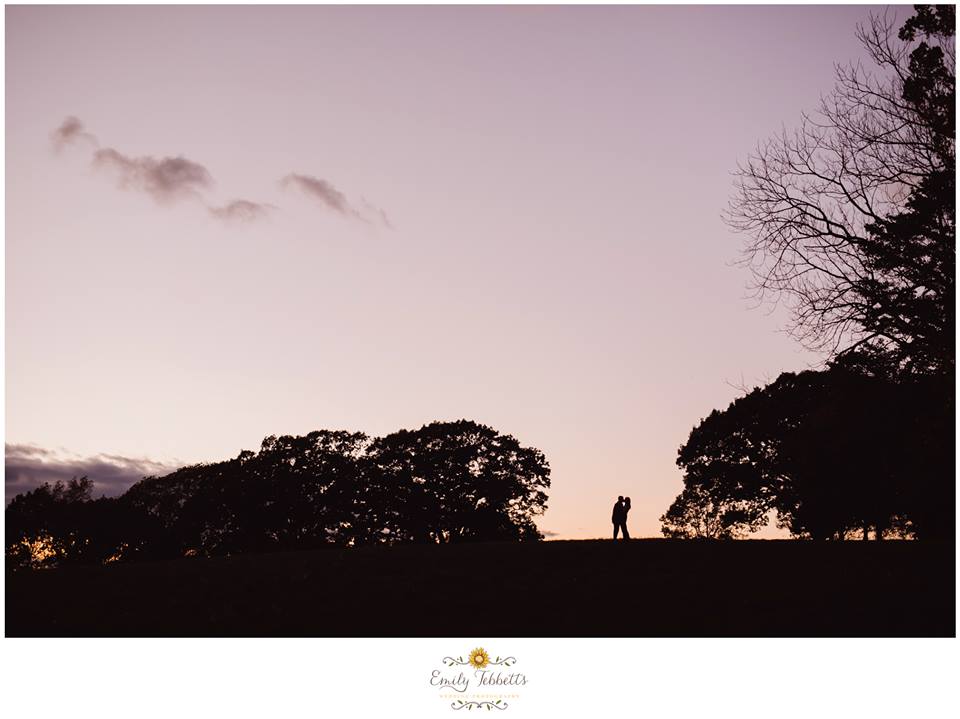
{"x":385,"y":216}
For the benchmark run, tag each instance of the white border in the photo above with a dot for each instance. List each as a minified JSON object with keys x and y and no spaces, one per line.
{"x":567,"y":677}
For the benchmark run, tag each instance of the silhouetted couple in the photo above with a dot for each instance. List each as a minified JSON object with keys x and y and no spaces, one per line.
{"x":620,"y":510}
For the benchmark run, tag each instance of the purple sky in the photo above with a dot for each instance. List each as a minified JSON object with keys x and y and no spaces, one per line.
{"x":372,"y":218}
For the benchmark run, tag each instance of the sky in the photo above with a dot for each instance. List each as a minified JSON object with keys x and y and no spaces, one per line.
{"x":224,"y":223}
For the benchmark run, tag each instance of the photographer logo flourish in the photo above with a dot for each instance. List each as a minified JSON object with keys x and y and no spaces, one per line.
{"x":483,"y":683}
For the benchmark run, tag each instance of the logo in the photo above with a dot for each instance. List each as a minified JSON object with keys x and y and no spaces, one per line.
{"x":479,"y":681}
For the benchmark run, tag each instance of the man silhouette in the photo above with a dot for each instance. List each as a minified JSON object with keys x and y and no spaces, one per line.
{"x":620,"y":519}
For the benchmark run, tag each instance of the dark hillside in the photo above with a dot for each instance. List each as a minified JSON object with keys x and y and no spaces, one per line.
{"x":562,"y":588}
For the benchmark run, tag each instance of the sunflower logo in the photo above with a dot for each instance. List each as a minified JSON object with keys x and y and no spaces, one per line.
{"x":479,"y":658}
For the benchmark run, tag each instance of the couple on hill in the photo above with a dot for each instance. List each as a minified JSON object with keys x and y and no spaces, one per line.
{"x":620,"y":510}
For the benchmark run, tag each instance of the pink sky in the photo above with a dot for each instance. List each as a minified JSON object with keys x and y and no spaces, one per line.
{"x":554,"y":266}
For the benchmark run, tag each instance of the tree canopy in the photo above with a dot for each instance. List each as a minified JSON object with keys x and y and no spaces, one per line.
{"x":445,"y":482}
{"x":833,"y":454}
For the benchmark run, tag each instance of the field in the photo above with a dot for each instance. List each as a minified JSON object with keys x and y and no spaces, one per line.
{"x":642,"y":588}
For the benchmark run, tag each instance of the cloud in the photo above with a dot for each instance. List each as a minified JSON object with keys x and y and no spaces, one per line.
{"x":333,"y":199}
{"x":320,"y":190}
{"x":166,"y":180}
{"x":70,"y":131}
{"x":378,"y":213}
{"x":171,"y":179}
{"x":29,"y":466}
{"x":241,"y":211}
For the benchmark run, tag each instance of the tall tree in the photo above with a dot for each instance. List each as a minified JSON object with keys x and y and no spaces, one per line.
{"x":851,"y":217}
{"x":850,"y":220}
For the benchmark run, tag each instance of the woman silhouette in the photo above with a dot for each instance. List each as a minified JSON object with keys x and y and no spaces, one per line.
{"x":626,"y":510}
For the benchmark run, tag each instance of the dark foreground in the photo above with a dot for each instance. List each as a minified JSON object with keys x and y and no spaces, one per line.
{"x":643,"y":588}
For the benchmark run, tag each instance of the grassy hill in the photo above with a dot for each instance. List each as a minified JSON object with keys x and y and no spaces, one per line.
{"x":563,"y":588}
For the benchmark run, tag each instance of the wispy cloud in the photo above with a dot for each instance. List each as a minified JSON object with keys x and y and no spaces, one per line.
{"x":330,"y":197}
{"x":242,"y":211}
{"x":320,"y":190}
{"x":29,"y":466}
{"x":166,"y":180}
{"x":71,"y":130}
{"x":378,"y":213}
{"x":171,"y":179}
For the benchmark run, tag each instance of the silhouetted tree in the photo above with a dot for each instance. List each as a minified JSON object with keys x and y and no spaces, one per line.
{"x":851,"y":220}
{"x":460,"y":481}
{"x":851,"y":217}
{"x":445,"y":482}
{"x":62,"y":524}
{"x":709,"y":512}
{"x":39,"y":523}
{"x":295,"y":492}
{"x":834,"y":453}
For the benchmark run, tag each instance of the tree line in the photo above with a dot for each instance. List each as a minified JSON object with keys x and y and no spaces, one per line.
{"x":445,"y":482}
{"x":850,"y":222}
